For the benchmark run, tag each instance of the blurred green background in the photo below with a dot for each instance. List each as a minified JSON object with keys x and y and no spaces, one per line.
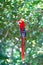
{"x":10,"y":39}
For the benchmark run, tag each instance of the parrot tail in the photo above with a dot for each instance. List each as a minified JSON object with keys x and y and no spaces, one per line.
{"x":23,"y":48}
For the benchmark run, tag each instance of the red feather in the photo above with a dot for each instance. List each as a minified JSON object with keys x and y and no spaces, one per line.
{"x":22,"y":24}
{"x":23,"y":48}
{"x":22,"y":27}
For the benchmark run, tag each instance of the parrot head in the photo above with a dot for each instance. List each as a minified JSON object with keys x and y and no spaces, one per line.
{"x":20,"y":21}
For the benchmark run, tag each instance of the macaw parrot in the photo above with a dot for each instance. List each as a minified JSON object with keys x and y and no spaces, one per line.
{"x":23,"y":35}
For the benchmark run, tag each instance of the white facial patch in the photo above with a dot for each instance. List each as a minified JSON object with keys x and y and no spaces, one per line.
{"x":20,"y":21}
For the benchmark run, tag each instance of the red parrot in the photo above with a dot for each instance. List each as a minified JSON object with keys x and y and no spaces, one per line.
{"x":23,"y":34}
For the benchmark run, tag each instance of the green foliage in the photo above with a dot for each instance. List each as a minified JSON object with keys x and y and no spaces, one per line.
{"x":10,"y":39}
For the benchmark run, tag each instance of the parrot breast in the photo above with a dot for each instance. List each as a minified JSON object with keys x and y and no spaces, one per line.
{"x":22,"y":26}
